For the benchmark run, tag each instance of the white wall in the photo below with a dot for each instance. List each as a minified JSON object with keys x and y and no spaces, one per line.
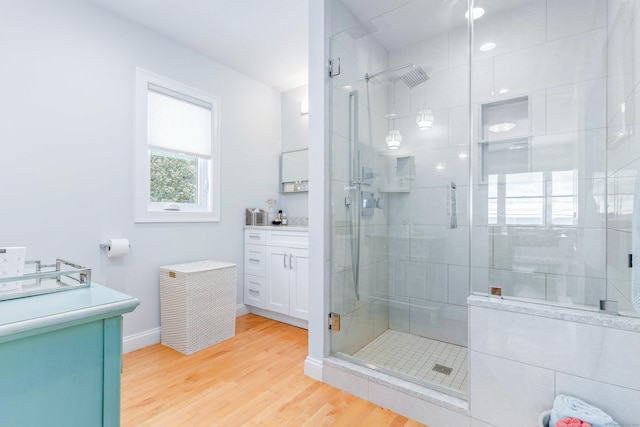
{"x":66,"y":132}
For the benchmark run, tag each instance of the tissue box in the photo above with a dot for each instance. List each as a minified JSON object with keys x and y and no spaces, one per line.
{"x":255,"y":216}
{"x":11,"y":265}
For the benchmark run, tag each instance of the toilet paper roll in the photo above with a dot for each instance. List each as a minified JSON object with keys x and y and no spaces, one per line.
{"x":117,"y":248}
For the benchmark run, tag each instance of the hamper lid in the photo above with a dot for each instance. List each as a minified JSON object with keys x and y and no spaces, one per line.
{"x":198,"y":266}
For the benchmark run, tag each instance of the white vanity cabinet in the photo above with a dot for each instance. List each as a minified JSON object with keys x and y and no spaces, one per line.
{"x":276,"y":272}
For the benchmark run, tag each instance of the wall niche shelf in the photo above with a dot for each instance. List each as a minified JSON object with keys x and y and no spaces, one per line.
{"x":401,"y":172}
{"x":505,"y":137}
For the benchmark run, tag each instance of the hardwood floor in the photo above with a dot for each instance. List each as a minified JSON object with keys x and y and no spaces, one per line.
{"x":255,"y":378}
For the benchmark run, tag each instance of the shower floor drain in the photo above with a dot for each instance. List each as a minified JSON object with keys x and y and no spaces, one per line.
{"x":442,"y":369}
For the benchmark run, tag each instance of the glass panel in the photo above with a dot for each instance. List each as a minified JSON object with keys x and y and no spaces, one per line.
{"x":524,"y":203}
{"x":539,"y":95}
{"x":399,"y":171}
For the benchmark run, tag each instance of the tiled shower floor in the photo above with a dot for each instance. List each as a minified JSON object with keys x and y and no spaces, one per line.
{"x":416,"y":357}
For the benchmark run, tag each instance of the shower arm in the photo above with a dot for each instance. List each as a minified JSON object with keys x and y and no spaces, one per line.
{"x":368,"y":76}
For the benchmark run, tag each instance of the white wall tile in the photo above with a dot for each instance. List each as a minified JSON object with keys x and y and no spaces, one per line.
{"x":574,"y":348}
{"x":615,"y":401}
{"x":620,"y":290}
{"x":350,"y":383}
{"x":557,"y":63}
{"x":399,"y":315}
{"x":482,"y":86}
{"x":583,"y":151}
{"x":618,"y":249}
{"x":457,"y":245}
{"x":518,"y":284}
{"x":515,"y":29}
{"x":414,"y":408}
{"x":458,"y":285}
{"x":591,"y":203}
{"x":357,"y":328}
{"x":576,"y":289}
{"x":578,"y":106}
{"x":569,"y":17}
{"x":459,"y":126}
{"x":448,"y":88}
{"x":480,"y":280}
{"x":538,"y":113}
{"x":482,"y":253}
{"x":623,"y":150}
{"x":561,"y":250}
{"x":477,"y":423}
{"x":458,"y":41}
{"x":502,"y":390}
{"x":431,"y":54}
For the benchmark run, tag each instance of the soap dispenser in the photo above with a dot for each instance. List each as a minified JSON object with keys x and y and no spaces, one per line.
{"x":284,"y":219}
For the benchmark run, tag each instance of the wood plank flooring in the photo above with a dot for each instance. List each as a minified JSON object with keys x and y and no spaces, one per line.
{"x":253,"y":379}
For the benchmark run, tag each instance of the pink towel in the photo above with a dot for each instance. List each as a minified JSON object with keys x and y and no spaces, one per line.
{"x":572,"y":422}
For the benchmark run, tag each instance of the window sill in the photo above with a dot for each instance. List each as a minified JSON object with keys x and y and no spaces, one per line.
{"x":175,"y":217}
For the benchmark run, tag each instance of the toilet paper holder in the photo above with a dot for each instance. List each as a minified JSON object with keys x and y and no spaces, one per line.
{"x":119,"y":249}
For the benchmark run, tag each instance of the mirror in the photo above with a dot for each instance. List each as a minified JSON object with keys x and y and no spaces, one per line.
{"x":294,"y":171}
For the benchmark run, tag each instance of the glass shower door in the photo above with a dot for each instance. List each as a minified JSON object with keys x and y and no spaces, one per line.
{"x":399,"y":190}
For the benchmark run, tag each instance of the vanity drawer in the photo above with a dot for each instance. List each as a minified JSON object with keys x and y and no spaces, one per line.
{"x":254,"y":291}
{"x":254,"y":260}
{"x":291,"y":239}
{"x":254,"y":237}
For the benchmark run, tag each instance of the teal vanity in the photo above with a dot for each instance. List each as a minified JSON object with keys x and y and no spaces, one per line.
{"x":61,"y":358}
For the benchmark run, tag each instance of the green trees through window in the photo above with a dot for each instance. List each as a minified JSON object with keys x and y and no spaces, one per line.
{"x":174,"y":179}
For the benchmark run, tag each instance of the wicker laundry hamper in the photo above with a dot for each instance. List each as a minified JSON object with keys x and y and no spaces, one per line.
{"x":197,"y":304}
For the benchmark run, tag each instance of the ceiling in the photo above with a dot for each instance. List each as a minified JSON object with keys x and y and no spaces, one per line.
{"x":399,"y":23}
{"x":265,"y":40}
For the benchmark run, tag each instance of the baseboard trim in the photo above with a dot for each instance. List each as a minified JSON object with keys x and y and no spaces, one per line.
{"x":241,"y":310}
{"x":280,"y":317}
{"x":142,"y":339}
{"x":313,"y":368}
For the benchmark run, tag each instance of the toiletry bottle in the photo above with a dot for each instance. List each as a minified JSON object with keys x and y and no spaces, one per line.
{"x":284,"y":219}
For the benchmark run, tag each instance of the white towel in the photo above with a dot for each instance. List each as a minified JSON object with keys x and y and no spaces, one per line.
{"x":571,"y":407}
{"x":635,"y":238}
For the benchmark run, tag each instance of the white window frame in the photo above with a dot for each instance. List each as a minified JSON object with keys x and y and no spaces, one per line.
{"x":145,"y":210}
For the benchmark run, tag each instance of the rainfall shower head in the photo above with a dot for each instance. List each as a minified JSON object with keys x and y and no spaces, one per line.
{"x":411,"y":78}
{"x":414,"y":77}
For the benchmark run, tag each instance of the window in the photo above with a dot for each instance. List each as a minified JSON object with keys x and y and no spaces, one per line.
{"x":177,"y":152}
{"x":532,"y":198}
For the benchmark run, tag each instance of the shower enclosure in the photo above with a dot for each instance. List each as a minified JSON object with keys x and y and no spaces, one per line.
{"x":475,"y":147}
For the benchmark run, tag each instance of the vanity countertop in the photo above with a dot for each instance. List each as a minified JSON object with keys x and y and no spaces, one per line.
{"x":276,"y":227}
